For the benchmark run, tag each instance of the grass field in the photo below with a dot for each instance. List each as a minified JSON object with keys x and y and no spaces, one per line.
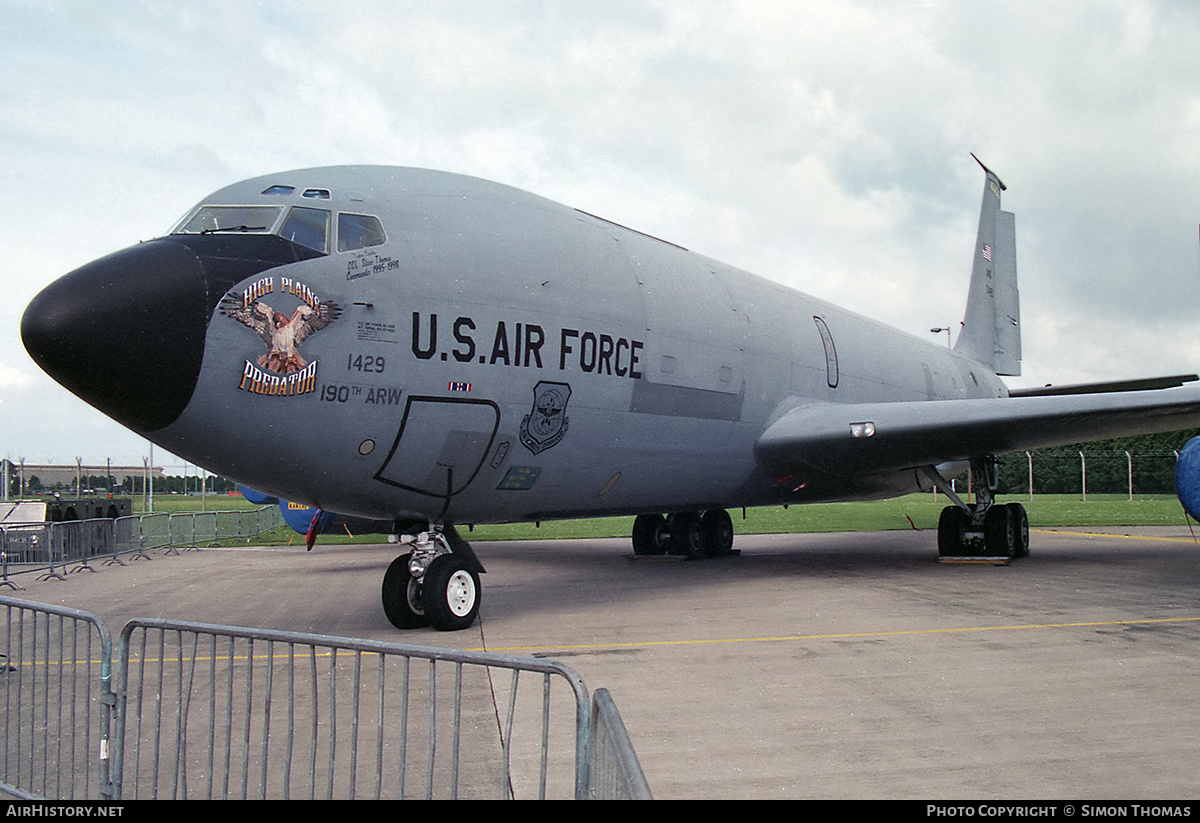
{"x":171,"y":503}
{"x":913,"y":511}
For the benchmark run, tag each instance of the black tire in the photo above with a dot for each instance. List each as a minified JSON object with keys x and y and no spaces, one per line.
{"x":1020,"y":524}
{"x":402,"y":602}
{"x":950,"y":528}
{"x":450,"y":593}
{"x":718,"y":532}
{"x":998,"y":532}
{"x":686,"y":534}
{"x":647,"y":534}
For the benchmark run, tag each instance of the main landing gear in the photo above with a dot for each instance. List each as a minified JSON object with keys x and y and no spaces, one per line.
{"x":436,"y":584}
{"x":691,"y":534}
{"x":986,"y":528}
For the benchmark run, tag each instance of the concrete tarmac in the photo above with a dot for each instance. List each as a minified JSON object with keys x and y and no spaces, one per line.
{"x":810,"y":666}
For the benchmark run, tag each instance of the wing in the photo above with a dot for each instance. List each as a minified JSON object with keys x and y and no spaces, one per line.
{"x":256,"y":316}
{"x":876,"y":437}
{"x":313,"y":320}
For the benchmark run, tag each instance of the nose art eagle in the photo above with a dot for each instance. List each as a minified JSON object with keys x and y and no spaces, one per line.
{"x":281,"y":333}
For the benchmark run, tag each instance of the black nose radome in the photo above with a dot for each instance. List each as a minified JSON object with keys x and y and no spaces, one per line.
{"x":126,"y":332}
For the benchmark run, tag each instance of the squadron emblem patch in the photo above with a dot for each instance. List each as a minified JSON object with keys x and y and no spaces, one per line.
{"x":546,"y":422}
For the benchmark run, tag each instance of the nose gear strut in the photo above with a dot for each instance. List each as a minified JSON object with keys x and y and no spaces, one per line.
{"x":435,"y":584}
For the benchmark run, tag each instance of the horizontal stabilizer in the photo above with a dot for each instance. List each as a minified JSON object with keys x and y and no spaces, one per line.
{"x":1144,"y":384}
{"x":878,"y":437}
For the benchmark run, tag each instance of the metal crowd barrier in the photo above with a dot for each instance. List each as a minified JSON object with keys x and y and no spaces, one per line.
{"x":613,"y":769}
{"x":53,"y":546}
{"x":23,"y":548}
{"x":55,"y":676}
{"x":202,"y":711}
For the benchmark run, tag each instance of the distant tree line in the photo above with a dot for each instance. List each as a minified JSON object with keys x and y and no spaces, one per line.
{"x":93,"y":484}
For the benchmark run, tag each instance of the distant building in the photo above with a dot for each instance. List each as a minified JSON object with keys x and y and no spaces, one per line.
{"x":50,"y":476}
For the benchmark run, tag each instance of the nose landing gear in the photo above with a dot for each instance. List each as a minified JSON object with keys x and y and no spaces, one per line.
{"x":437,"y":584}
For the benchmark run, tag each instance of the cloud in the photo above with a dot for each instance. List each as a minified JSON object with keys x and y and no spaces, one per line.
{"x":13,"y":380}
{"x":821,"y":145}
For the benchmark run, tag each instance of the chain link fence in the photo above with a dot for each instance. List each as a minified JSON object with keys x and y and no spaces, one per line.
{"x":1083,"y":470}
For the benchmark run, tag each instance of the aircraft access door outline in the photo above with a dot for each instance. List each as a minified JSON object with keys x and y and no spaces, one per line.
{"x":441,"y":445}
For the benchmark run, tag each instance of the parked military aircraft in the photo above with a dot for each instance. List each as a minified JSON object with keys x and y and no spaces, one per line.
{"x":432,"y":350}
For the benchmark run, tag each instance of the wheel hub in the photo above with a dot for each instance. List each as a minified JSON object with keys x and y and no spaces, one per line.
{"x":460,"y":593}
{"x":413,"y":594}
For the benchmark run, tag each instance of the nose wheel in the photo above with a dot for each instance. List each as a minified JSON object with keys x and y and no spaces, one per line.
{"x":433,"y":586}
{"x":402,"y":600}
{"x":450,"y":593}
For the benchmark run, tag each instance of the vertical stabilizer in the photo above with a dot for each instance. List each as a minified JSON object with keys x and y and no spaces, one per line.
{"x":991,"y":332}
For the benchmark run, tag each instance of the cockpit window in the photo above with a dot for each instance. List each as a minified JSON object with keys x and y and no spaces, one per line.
{"x":359,"y":231}
{"x":317,"y":194}
{"x":279,"y":189}
{"x":304,"y":225}
{"x":308,"y":227}
{"x":210,"y":219}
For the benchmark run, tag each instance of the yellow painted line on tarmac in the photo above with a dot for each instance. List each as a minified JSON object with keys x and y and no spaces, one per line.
{"x":848,"y":635}
{"x":646,"y":644}
{"x":1116,"y":536}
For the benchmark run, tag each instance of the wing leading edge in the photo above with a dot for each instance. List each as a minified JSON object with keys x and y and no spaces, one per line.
{"x":849,"y":438}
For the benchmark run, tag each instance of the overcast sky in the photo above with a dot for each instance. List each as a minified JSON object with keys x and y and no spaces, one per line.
{"x":824,"y":145}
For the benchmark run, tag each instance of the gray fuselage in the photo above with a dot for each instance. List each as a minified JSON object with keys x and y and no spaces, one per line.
{"x":502,"y":358}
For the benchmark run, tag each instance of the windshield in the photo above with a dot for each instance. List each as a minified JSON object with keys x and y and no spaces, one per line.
{"x":308,"y":227}
{"x":304,"y":225}
{"x":210,"y":219}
